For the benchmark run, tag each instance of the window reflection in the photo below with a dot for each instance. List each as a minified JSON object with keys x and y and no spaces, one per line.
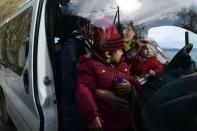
{"x":15,"y":41}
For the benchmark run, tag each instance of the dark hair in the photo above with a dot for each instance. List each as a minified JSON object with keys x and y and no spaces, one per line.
{"x":144,"y":48}
{"x":99,"y":51}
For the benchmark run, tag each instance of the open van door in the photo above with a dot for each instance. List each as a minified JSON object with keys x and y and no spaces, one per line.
{"x":26,"y":78}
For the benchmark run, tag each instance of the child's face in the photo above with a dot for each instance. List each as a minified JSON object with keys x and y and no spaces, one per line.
{"x":147,"y":53}
{"x":116,"y":56}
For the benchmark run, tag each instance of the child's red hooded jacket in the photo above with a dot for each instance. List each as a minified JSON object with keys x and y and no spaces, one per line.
{"x":94,"y":74}
{"x":139,"y":66}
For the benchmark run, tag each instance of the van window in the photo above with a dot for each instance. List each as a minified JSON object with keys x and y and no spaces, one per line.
{"x":172,"y":44}
{"x":15,"y":41}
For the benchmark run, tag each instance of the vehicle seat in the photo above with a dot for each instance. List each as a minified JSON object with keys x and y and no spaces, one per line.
{"x":173,"y":107}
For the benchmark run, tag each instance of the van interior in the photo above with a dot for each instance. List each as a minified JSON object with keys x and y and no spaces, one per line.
{"x":171,"y":107}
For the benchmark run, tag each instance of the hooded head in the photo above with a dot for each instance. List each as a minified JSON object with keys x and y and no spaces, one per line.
{"x":108,"y":42}
{"x":106,"y":36}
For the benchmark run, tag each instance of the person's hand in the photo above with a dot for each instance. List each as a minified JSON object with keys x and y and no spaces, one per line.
{"x":124,"y":87}
{"x":96,"y":125}
{"x":152,"y":73}
{"x":115,"y":103}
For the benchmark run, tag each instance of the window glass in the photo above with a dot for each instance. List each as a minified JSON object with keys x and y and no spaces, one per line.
{"x":2,"y":42}
{"x":172,"y":39}
{"x":16,"y":40}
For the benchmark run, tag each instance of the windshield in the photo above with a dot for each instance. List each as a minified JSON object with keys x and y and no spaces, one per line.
{"x":172,"y":41}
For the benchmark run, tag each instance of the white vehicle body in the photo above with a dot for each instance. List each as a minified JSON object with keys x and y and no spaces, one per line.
{"x":29,"y":95}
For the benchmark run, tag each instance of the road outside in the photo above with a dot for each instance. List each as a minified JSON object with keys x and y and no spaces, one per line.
{"x":4,"y":127}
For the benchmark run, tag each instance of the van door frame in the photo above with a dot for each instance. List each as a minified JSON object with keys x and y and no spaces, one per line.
{"x":35,"y":51}
{"x":50,"y":104}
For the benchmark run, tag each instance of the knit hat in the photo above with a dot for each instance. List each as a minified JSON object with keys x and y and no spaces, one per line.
{"x":107,"y":37}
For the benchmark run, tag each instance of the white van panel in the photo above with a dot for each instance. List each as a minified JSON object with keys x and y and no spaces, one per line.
{"x":22,"y":115}
{"x":46,"y":92}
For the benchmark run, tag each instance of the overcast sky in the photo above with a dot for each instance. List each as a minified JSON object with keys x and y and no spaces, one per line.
{"x":152,"y":9}
{"x":136,"y":10}
{"x":171,"y":37}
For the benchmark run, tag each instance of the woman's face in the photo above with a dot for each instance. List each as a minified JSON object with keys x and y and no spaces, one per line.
{"x":128,"y":34}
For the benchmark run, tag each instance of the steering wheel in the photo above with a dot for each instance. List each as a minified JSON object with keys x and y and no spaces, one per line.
{"x":182,"y":56}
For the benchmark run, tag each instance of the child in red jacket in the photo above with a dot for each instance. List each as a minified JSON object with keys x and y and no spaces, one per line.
{"x":146,"y":63}
{"x":101,"y":72}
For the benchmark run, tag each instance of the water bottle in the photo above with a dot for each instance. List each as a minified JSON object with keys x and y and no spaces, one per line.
{"x":119,"y":80}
